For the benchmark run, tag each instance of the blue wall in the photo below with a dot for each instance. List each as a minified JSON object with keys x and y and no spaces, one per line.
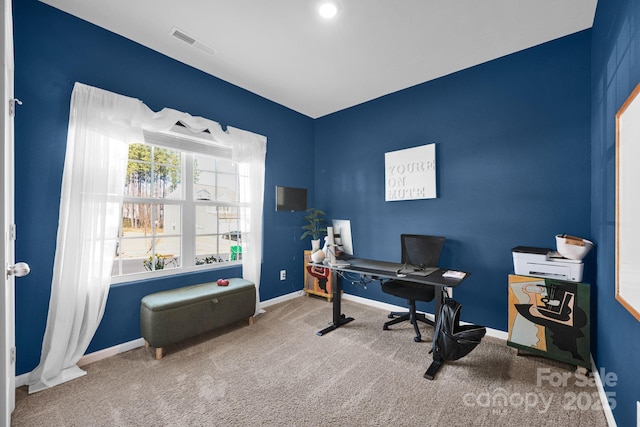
{"x":54,"y":50}
{"x":512,"y":148}
{"x":615,"y":72}
{"x":525,"y":150}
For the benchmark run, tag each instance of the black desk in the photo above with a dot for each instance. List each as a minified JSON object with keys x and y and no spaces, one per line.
{"x":383,"y":270}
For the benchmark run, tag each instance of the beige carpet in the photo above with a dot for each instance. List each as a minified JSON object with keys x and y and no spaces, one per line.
{"x":278,"y":372}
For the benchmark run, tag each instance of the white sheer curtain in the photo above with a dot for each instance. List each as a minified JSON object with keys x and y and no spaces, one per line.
{"x":249,"y":151}
{"x":101,"y":126}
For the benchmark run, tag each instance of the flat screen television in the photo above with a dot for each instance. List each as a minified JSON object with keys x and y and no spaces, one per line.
{"x":290,"y":199}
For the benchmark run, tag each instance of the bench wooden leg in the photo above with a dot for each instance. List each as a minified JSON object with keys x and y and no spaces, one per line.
{"x":146,"y":344}
{"x":159,"y":353}
{"x":250,"y":320}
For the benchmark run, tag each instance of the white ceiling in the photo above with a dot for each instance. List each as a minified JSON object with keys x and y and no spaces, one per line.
{"x":283,"y":51}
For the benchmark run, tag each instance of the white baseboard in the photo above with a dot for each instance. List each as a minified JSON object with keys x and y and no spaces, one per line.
{"x":495,"y":333}
{"x":604,"y":400}
{"x":281,"y":298}
{"x":93,"y":357}
{"x":373,"y":303}
{"x":111,"y":351}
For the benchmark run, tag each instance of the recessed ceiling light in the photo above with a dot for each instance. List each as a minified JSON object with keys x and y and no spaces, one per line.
{"x":328,"y":9}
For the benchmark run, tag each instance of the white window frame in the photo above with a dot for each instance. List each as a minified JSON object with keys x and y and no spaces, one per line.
{"x":182,"y":140}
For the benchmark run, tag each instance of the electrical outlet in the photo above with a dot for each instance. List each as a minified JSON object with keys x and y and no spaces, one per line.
{"x":283,"y":274}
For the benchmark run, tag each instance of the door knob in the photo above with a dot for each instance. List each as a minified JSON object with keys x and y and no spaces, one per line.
{"x":20,"y":269}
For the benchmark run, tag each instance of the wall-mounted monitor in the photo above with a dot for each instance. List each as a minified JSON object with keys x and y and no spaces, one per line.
{"x":290,"y":199}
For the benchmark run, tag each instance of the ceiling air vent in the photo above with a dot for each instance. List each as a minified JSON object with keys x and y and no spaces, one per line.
{"x":181,"y":35}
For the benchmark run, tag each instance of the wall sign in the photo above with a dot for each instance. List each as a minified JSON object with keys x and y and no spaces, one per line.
{"x":410,"y":174}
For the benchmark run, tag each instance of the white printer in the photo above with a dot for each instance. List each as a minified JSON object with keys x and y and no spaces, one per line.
{"x":547,"y":263}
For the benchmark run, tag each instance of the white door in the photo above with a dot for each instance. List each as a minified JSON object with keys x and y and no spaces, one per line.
{"x":10,"y":271}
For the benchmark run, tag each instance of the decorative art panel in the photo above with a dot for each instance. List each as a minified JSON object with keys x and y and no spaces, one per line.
{"x":410,"y":174}
{"x":550,"y":318}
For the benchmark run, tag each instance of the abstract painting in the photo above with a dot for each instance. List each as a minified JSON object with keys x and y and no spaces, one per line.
{"x":550,"y":317}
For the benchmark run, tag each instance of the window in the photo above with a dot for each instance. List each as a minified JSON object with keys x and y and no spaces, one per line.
{"x":181,"y":208}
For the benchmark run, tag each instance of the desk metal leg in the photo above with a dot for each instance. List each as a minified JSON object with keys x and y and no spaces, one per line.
{"x":433,"y":368}
{"x":437,"y":360}
{"x":439,"y":302}
{"x":339,"y":319}
{"x":335,"y":324}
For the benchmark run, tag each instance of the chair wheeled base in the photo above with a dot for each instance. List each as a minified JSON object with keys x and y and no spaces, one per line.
{"x":412,"y":316}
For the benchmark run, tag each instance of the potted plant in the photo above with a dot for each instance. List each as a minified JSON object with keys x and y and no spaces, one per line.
{"x":159,"y":262}
{"x":315,"y":227}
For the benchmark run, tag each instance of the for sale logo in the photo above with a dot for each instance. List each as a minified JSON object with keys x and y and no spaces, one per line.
{"x":501,"y":400}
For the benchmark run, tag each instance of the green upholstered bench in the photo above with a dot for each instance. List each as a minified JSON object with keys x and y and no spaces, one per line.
{"x":171,"y":316}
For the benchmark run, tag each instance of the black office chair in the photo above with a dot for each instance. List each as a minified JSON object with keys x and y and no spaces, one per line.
{"x":418,"y":252}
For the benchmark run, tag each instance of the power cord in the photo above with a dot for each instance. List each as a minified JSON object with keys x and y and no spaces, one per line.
{"x":358,"y":279}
